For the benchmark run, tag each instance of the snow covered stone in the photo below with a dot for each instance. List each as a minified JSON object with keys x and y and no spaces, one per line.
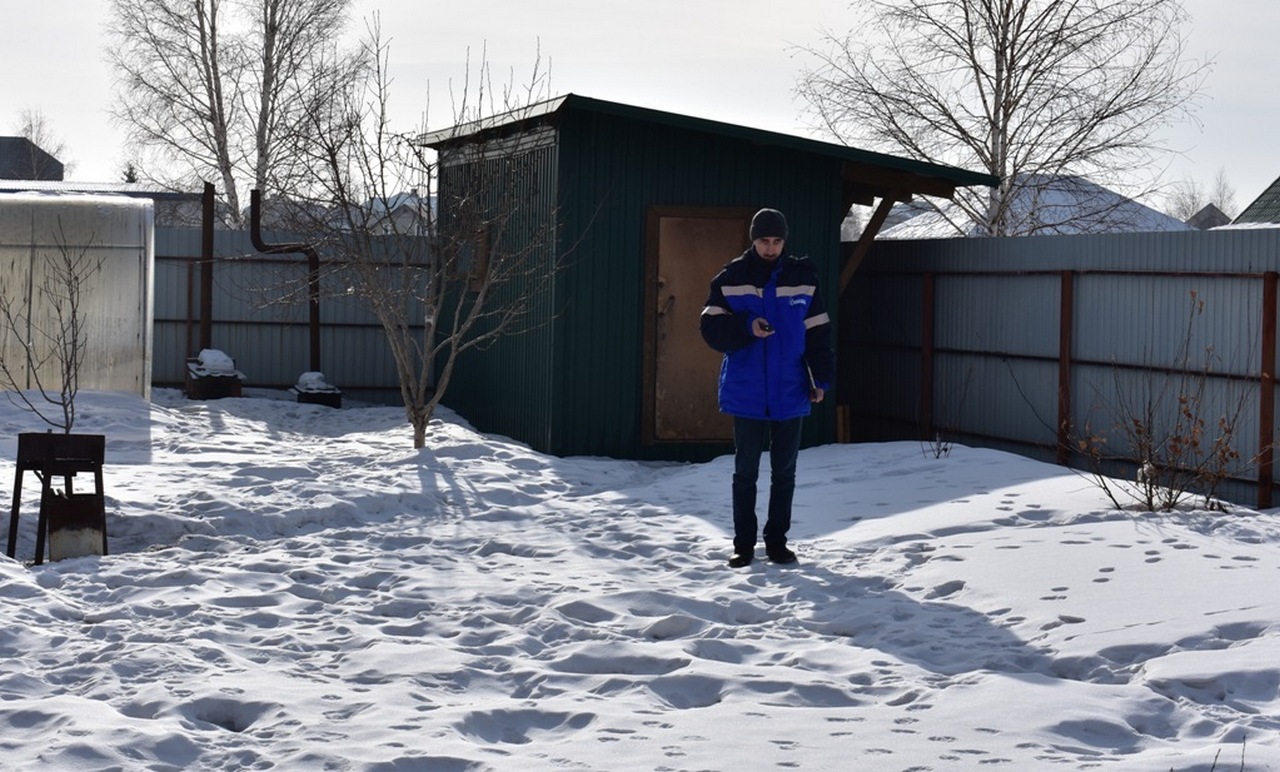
{"x":313,"y":381}
{"x":216,"y":362}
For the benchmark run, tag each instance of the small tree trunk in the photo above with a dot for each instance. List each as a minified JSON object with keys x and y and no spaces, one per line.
{"x":419,"y":419}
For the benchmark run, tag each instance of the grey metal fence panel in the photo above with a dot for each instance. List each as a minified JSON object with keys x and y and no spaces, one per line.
{"x":260,"y":317}
{"x":1152,"y":317}
{"x":1006,"y":314}
{"x":1166,"y":320}
{"x":1225,"y":251}
{"x":996,"y":398}
{"x":887,"y":314}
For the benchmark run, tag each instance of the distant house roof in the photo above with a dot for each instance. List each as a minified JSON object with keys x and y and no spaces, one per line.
{"x":869,"y":175}
{"x":1047,"y":205}
{"x":21,"y":159}
{"x":1265,"y":209}
{"x":24,"y":168}
{"x":1208,"y":217}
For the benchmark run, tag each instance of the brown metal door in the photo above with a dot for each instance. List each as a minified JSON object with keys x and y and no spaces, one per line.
{"x":691,"y":247}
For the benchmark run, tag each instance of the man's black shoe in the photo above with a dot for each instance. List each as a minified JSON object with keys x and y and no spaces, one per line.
{"x":739,"y":560}
{"x":781,"y":555}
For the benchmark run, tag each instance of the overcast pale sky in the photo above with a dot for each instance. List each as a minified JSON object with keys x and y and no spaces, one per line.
{"x":729,"y":60}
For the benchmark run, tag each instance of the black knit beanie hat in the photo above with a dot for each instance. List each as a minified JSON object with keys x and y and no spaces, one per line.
{"x":768,"y":223}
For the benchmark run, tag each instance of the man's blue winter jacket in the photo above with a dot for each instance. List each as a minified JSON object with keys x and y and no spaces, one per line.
{"x":769,"y":378}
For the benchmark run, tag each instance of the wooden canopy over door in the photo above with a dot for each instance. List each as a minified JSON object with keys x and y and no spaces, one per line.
{"x":685,"y":248}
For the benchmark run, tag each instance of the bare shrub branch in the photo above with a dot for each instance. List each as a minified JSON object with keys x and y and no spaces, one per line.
{"x":1165,"y":424}
{"x":442,"y":276}
{"x":44,"y":320}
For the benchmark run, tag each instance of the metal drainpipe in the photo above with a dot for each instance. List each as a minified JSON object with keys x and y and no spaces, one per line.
{"x":206,"y":268}
{"x":313,"y":269}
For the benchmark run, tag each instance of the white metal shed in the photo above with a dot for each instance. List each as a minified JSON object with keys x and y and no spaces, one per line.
{"x":114,"y":237}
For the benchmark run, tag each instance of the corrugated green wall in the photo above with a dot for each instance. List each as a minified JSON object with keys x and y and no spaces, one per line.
{"x":506,"y":386}
{"x":611,"y":171}
{"x":573,"y":385}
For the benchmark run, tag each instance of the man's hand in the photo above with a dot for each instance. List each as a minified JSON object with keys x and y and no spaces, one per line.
{"x":816,"y":394}
{"x":761,"y":328}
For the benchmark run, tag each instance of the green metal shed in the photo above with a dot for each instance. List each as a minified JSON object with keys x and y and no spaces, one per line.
{"x":645,"y":207}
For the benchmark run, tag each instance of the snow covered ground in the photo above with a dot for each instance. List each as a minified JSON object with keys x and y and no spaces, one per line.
{"x":295,"y":588}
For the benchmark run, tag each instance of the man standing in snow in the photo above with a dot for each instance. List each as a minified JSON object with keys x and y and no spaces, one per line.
{"x":765,"y":315}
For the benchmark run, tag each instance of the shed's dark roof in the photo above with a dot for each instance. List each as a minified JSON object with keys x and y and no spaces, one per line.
{"x":1264,"y":209}
{"x":920,"y":176}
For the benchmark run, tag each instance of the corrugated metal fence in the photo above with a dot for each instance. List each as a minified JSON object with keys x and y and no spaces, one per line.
{"x":260,"y":318}
{"x":1017,"y":344}
{"x":1029,"y":344}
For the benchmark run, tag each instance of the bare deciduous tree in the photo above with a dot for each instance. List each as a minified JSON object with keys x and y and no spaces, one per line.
{"x":218,"y":90}
{"x":34,"y":126}
{"x":1027,"y":90}
{"x":438,"y":284}
{"x":46,"y":333}
{"x":1187,"y":197}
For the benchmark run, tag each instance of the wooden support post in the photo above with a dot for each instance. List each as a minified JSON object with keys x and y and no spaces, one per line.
{"x":864,"y":241}
{"x":1267,"y":392}
{"x":926,"y":358}
{"x":1066,"y":321}
{"x":206,"y":268}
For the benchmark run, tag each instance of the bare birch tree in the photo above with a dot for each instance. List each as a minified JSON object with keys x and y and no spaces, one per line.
{"x":442,"y":277}
{"x":217,"y":90}
{"x":34,"y":126}
{"x":1027,"y":90}
{"x":1188,"y":196}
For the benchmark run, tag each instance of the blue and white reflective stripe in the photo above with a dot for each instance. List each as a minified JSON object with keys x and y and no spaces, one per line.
{"x":738,"y":290}
{"x":800,"y":289}
{"x":816,"y":321}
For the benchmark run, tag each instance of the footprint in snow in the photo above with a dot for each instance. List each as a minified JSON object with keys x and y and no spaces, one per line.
{"x":946,"y":589}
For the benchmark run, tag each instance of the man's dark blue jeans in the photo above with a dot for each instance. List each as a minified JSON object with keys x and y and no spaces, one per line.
{"x":750,"y":437}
